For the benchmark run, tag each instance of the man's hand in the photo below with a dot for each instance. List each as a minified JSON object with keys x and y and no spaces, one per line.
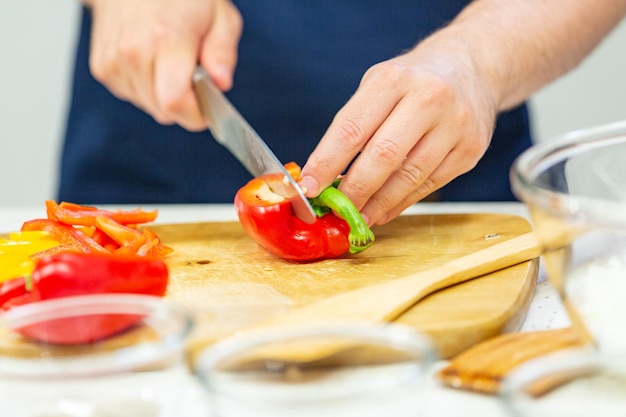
{"x":421,"y":119}
{"x":416,"y":122}
{"x":145,"y":52}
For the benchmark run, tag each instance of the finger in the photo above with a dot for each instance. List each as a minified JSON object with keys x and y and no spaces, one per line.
{"x":219,"y":50}
{"x":454,"y":164}
{"x":122,"y":61}
{"x":137,"y":51}
{"x":137,"y":63}
{"x":351,"y":128}
{"x":174,"y":64}
{"x":413,"y":174}
{"x":384,"y":153}
{"x":103,"y":59}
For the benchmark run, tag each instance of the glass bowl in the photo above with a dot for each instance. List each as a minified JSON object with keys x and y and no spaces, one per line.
{"x":338,"y":369}
{"x":138,"y":370}
{"x":575,"y":189}
{"x":569,"y":383}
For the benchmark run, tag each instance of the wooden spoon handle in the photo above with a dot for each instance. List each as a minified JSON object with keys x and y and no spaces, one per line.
{"x":388,"y":300}
{"x":484,"y":366}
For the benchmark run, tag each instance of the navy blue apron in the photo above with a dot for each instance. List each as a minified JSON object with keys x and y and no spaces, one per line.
{"x":299,"y":62}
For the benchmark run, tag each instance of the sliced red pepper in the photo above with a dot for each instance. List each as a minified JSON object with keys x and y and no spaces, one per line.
{"x":131,"y":240}
{"x":269,"y":219}
{"x":105,"y":240}
{"x":54,"y":250}
{"x":123,"y":235}
{"x":65,"y":234}
{"x":69,"y":274}
{"x":74,"y":214}
{"x":76,"y":207}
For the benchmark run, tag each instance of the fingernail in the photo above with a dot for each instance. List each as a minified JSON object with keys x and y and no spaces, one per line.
{"x":366,"y":219}
{"x":309,"y":186}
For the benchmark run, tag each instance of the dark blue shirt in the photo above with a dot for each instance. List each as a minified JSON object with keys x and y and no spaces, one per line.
{"x":299,"y":62}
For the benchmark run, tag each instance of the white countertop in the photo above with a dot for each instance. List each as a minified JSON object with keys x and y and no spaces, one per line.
{"x":12,"y":217}
{"x":545,"y":312}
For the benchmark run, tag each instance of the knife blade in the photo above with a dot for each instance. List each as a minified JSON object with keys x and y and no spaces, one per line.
{"x":231,"y":130}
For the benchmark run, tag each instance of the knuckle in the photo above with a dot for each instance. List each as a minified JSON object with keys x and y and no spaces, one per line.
{"x":129,"y":51}
{"x":427,"y":187}
{"x":387,"y":150}
{"x":351,"y":133}
{"x":101,"y":68}
{"x":162,"y":119}
{"x":358,"y":191}
{"x":438,"y":92}
{"x":412,"y":174}
{"x":472,"y":149}
{"x":320,"y":164}
{"x":389,"y":74}
{"x":172,"y":106}
{"x":379,"y":204}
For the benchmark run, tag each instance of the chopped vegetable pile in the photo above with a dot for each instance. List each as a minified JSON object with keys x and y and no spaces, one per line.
{"x":81,"y":250}
{"x":71,"y":227}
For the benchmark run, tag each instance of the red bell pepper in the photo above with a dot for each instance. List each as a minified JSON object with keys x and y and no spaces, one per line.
{"x":269,"y":219}
{"x":68,"y":274}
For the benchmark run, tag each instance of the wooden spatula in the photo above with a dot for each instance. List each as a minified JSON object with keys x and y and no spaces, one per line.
{"x":386,"y":301}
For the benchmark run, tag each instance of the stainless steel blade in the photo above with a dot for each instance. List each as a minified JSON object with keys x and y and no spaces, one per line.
{"x":231,"y":130}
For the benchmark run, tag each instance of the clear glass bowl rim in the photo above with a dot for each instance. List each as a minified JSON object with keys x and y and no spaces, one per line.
{"x":532,"y":162}
{"x":394,"y":335}
{"x":118,"y":360}
{"x":571,"y":361}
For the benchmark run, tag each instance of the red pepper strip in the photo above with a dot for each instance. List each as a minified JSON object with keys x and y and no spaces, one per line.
{"x":69,"y":274}
{"x":76,"y":207}
{"x":105,"y":240}
{"x":269,"y":220}
{"x":53,"y":250}
{"x":123,"y":235}
{"x":70,"y":213}
{"x":153,"y":245}
{"x":131,"y":240}
{"x":65,"y":235}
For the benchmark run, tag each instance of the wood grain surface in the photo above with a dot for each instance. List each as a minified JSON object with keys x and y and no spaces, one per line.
{"x":232,"y":283}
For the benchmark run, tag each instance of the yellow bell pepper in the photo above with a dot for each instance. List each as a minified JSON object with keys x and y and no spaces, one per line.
{"x":16,"y":250}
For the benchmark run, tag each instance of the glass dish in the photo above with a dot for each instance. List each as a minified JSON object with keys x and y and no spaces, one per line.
{"x":339,"y":369}
{"x":140,"y":371}
{"x":575,"y":189}
{"x":570,"y":383}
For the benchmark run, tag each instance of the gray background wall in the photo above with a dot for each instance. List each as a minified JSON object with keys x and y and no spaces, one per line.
{"x":37,"y":41}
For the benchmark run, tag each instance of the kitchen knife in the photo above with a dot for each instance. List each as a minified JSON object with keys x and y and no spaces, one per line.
{"x":231,"y":130}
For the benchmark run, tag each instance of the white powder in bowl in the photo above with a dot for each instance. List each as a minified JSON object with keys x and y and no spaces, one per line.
{"x":597,"y":290}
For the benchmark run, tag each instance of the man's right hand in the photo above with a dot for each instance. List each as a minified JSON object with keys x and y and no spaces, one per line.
{"x":145,"y":52}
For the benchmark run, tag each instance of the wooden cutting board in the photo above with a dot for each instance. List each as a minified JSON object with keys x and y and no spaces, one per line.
{"x":233,"y":283}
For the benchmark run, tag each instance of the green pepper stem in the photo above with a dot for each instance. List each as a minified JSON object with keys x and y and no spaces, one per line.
{"x":360,"y":236}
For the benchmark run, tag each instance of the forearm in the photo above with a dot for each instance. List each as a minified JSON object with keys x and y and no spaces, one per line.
{"x":518,"y":46}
